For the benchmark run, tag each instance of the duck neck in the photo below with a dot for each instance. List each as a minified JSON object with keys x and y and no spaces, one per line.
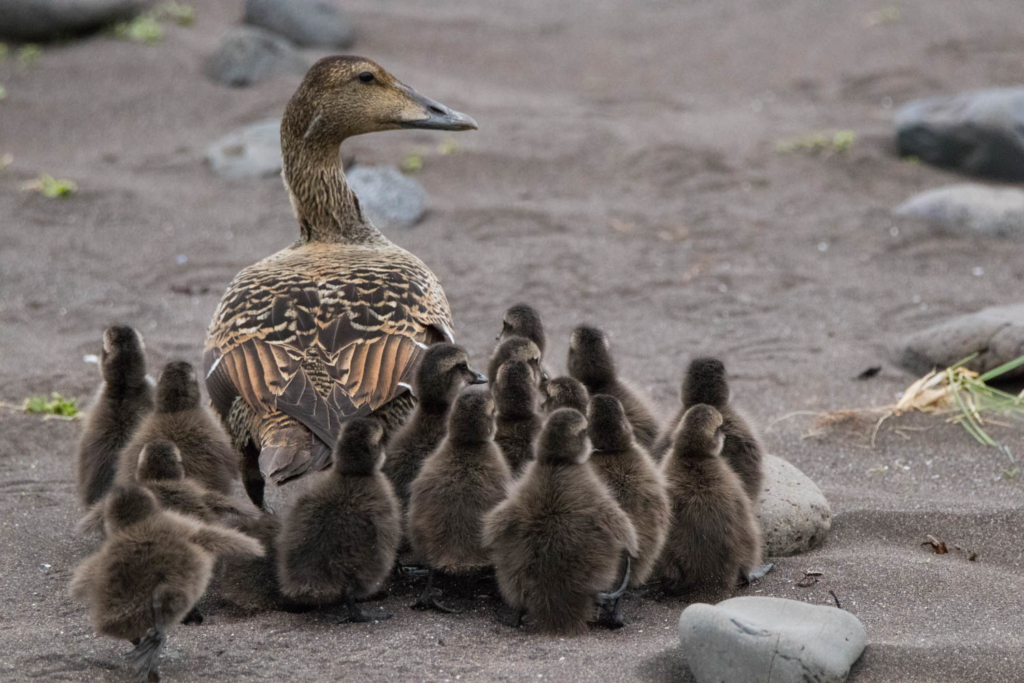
{"x":327,"y":210}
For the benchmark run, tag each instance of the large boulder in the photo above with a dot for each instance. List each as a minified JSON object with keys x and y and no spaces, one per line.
{"x":793,"y":513}
{"x":25,"y":20}
{"x":996,"y":334}
{"x":309,"y":23}
{"x":977,"y":132}
{"x":390,"y":199}
{"x":247,"y":56}
{"x":770,"y":640}
{"x":970,"y":209}
{"x":250,"y":152}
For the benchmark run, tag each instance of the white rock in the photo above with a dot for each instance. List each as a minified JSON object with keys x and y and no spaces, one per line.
{"x":253,"y":151}
{"x":769,"y":640}
{"x":791,"y":509}
{"x":970,"y":209}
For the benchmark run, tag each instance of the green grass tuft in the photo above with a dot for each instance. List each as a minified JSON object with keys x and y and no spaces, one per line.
{"x":55,"y":405}
{"x":180,"y":13}
{"x":142,"y":29}
{"x":839,"y":142}
{"x":50,"y":187}
{"x":29,"y":55}
{"x":413,"y":163}
{"x":3,"y":91}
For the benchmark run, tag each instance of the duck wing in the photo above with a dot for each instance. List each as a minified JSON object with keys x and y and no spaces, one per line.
{"x":323,"y":335}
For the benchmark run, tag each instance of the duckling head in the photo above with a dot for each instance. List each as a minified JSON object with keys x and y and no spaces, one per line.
{"x":608,"y":428}
{"x":360,"y":448}
{"x":343,"y":96}
{"x":177,"y":388}
{"x":122,"y":359}
{"x":699,"y":434}
{"x":515,"y":389}
{"x":590,"y":359}
{"x":127,"y":505}
{"x":705,"y":383}
{"x":472,"y":418}
{"x":564,"y":392}
{"x":518,"y":348}
{"x":563,"y":441}
{"x":442,"y":374}
{"x":523,"y":320}
{"x":160,"y":461}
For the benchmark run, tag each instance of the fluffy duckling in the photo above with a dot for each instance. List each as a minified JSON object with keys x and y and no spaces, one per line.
{"x":564,"y":392}
{"x":459,"y":482}
{"x":518,"y":424}
{"x":441,"y":376}
{"x":206,"y":453}
{"x":124,"y":398}
{"x":556,"y":540}
{"x":250,"y":583}
{"x":590,"y":361}
{"x":150,"y":572}
{"x":515,"y":348}
{"x":714,"y":539}
{"x":633,"y":478}
{"x":339,"y":541}
{"x":523,"y":320}
{"x":705,"y":383}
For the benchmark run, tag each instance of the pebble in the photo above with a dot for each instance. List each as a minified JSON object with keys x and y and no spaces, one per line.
{"x":247,"y":56}
{"x":307,"y":23}
{"x":27,"y":20}
{"x":995,"y":333}
{"x":792,"y":511}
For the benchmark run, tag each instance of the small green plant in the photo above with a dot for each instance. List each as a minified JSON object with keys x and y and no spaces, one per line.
{"x":413,"y":163}
{"x":142,"y":29}
{"x":55,"y":405}
{"x":819,"y":143}
{"x":178,"y":12}
{"x":29,"y":55}
{"x":1010,"y":474}
{"x":6,"y":160}
{"x":881,"y":17}
{"x":50,"y":187}
{"x":3,"y":51}
{"x":3,"y":91}
{"x":448,"y":146}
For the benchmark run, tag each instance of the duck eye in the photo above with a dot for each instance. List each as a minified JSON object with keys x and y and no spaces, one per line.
{"x":366,"y":77}
{"x":464,"y":365}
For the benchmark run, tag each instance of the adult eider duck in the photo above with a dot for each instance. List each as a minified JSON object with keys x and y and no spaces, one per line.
{"x":331,"y":327}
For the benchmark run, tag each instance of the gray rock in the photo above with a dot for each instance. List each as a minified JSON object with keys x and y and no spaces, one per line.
{"x":770,"y":640}
{"x":309,"y":23}
{"x":980,"y":132}
{"x":248,"y":55}
{"x":995,"y":333}
{"x":970,"y":209}
{"x":50,"y":19}
{"x":390,"y":199}
{"x":791,"y":509}
{"x":253,"y":151}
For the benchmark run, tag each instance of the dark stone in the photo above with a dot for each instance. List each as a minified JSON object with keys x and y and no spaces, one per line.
{"x":28,"y":20}
{"x":995,"y":333}
{"x":307,"y":23}
{"x":979,"y":132}
{"x":247,"y":56}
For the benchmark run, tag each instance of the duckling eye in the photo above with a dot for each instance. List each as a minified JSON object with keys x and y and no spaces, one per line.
{"x":366,"y":77}
{"x":463,"y":365}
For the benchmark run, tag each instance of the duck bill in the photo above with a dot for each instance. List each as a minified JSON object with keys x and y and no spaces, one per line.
{"x":435,"y":116}
{"x":478,"y":378}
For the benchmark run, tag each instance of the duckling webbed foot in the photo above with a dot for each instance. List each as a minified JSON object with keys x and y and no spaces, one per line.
{"x":429,"y":598}
{"x":610,"y":604}
{"x":513,"y":618}
{"x":143,"y":658}
{"x":193,"y":617}
{"x":354,"y":614}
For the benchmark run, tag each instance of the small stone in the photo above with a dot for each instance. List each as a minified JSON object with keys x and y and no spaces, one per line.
{"x":389,"y":199}
{"x":27,"y":20}
{"x":770,"y":640}
{"x":250,"y":152}
{"x":970,"y":209}
{"x":307,"y":23}
{"x":793,"y":513}
{"x":247,"y":55}
{"x":996,"y":334}
{"x":976,"y":132}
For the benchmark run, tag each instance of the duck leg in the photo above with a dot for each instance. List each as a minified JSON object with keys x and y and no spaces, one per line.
{"x":610,"y":604}
{"x":194,"y":616}
{"x":513,"y":620}
{"x":428,"y":598}
{"x":143,"y":657}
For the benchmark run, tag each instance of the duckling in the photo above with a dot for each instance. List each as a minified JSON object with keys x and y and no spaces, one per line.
{"x":339,"y":541}
{"x":333,"y":326}
{"x":441,"y":376}
{"x":556,"y":540}
{"x":206,"y":454}
{"x":523,"y":320}
{"x":160,"y":470}
{"x":150,"y":572}
{"x":705,"y":383}
{"x":124,"y":398}
{"x":250,"y":583}
{"x":516,"y":348}
{"x":632,"y":477}
{"x":515,"y":393}
{"x":713,"y":540}
{"x":564,"y":392}
{"x":458,"y":483}
{"x":590,"y":361}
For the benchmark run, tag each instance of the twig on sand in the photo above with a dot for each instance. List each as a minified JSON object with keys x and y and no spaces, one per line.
{"x":834,"y":597}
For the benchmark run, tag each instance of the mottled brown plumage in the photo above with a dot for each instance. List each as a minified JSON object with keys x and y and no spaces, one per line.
{"x":632,"y":477}
{"x":564,"y":392}
{"x":515,"y":348}
{"x":150,"y":571}
{"x":556,"y":540}
{"x":339,"y":540}
{"x":331,"y":327}
{"x":590,"y":361}
{"x":442,"y":374}
{"x":705,"y":383}
{"x":714,"y":539}
{"x":178,"y":417}
{"x":518,"y":424}
{"x":124,"y":398}
{"x":458,"y":484}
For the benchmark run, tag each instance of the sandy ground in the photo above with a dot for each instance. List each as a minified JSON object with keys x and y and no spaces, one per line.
{"x":625,"y":173}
